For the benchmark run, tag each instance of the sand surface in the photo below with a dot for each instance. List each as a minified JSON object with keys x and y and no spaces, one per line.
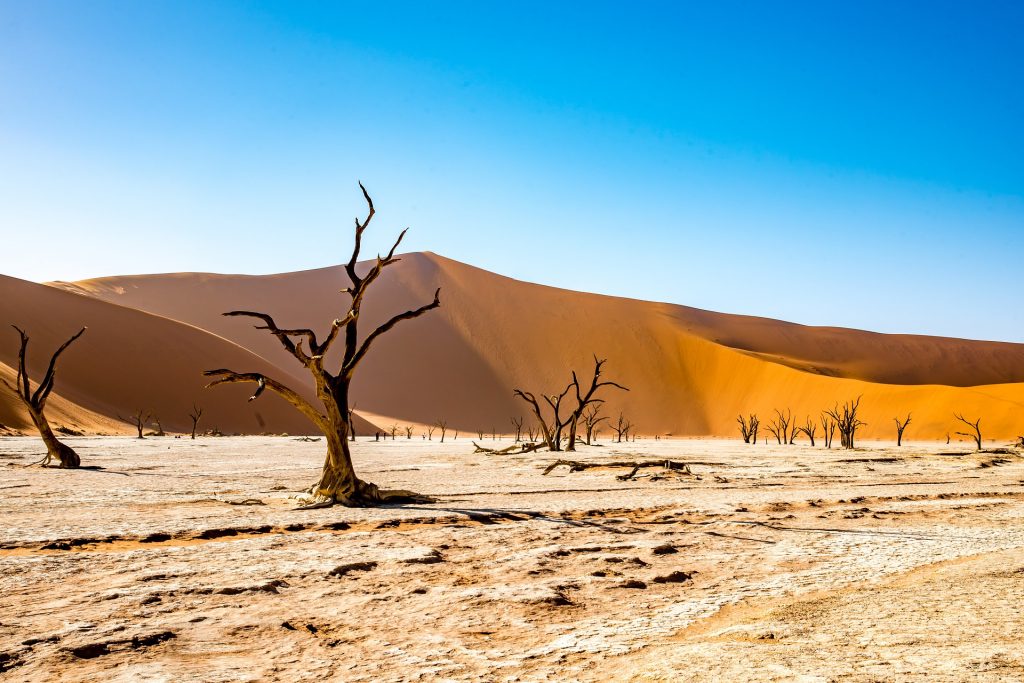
{"x":764,"y":563}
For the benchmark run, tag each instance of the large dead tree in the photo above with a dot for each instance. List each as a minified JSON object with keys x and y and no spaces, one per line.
{"x":35,"y":402}
{"x":748,"y":428}
{"x":338,"y":482}
{"x":975,"y":426}
{"x":584,"y":395}
{"x":847,"y":421}
{"x":900,"y":428}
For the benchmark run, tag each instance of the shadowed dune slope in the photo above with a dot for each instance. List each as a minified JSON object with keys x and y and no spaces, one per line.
{"x":127,"y":360}
{"x":690,"y":371}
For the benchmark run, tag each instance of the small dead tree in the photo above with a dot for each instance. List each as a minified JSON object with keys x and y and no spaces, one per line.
{"x":975,"y":426}
{"x":195,"y":415}
{"x":443,"y":426}
{"x":408,"y":431}
{"x":35,"y":402}
{"x":847,"y":421}
{"x":554,"y":429}
{"x":338,"y":482}
{"x":591,"y":419}
{"x":531,"y":432}
{"x":828,"y":426}
{"x":352,"y":422}
{"x":517,"y":422}
{"x":159,"y":431}
{"x":138,"y":419}
{"x":778,"y":427}
{"x":393,"y":429}
{"x":748,"y":428}
{"x":621,"y":428}
{"x":900,"y":427}
{"x":430,"y":432}
{"x":809,"y":429}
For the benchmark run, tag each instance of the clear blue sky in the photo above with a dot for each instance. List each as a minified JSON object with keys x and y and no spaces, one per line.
{"x":856,"y":164}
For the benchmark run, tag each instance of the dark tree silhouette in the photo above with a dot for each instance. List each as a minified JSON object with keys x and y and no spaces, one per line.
{"x":443,"y":426}
{"x":621,"y":428}
{"x":338,"y":483}
{"x":591,"y":419}
{"x":138,"y":420}
{"x":35,"y":401}
{"x":748,"y":428}
{"x":900,"y":428}
{"x":553,"y":428}
{"x":975,"y":426}
{"x":517,"y":422}
{"x":195,"y":415}
{"x":847,"y":421}
{"x":828,"y":426}
{"x":810,"y":429}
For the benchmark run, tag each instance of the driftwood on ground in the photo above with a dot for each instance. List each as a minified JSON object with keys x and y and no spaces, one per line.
{"x":513,"y":449}
{"x":634,"y":466}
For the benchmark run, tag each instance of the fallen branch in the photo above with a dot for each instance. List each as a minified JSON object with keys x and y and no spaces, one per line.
{"x":514,"y":448}
{"x":577,"y":466}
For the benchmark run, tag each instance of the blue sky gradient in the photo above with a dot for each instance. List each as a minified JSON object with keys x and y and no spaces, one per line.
{"x":855,"y":164}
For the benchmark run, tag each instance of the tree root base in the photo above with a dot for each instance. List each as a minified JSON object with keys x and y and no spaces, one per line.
{"x":363,"y":495}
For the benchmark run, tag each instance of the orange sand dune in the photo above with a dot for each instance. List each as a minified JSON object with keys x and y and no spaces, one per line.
{"x":690,"y":371}
{"x":129,"y":359}
{"x":59,"y":411}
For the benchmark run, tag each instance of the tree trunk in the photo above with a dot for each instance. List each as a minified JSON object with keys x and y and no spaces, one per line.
{"x":61,"y":452}
{"x":572,"y":437}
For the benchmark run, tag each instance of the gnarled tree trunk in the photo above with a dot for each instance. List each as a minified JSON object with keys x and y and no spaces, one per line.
{"x":35,"y":402}
{"x":338,"y":483}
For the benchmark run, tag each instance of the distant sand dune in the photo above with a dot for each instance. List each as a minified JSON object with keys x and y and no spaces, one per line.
{"x":690,"y":371}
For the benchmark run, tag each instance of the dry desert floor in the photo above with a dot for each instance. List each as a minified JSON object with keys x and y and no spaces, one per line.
{"x":180,"y":560}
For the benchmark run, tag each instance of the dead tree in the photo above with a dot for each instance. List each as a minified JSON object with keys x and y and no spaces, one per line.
{"x":553,"y":430}
{"x":621,"y":428}
{"x":828,"y":426}
{"x":517,"y":422}
{"x":847,"y":421}
{"x":748,"y":428}
{"x":430,"y":432}
{"x":159,"y":431}
{"x":591,"y":419}
{"x":586,"y":398}
{"x":196,"y":413}
{"x":138,"y":419}
{"x":338,"y":482}
{"x":35,"y":402}
{"x":352,"y":423}
{"x":809,"y":429}
{"x":393,"y":429}
{"x":779,"y":426}
{"x":408,"y":431}
{"x":443,"y":426}
{"x":975,"y":426}
{"x":785,"y":426}
{"x":531,"y":433}
{"x":900,"y":427}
